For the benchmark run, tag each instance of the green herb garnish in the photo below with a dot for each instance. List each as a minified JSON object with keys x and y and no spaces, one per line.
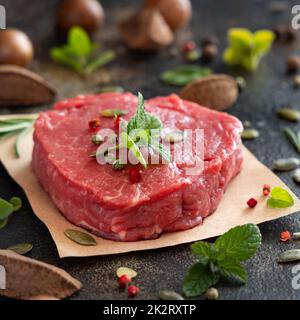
{"x":19,"y":126}
{"x":183,"y":75}
{"x":280,"y":198}
{"x":79,"y":53}
{"x":293,"y":138}
{"x":111,"y":113}
{"x":246,"y":48}
{"x":7,"y":208}
{"x":221,"y":259}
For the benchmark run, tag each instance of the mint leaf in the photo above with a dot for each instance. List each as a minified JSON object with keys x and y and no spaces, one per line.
{"x":232,"y":270}
{"x":6,"y":209}
{"x":80,"y":42}
{"x":280,"y":198}
{"x":182,"y":75}
{"x":246,"y":49}
{"x":16,"y":202}
{"x":239,"y":243}
{"x":128,"y":143}
{"x":204,"y":251}
{"x":198,"y":279}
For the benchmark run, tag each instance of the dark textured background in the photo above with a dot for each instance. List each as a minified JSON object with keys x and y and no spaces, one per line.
{"x":267,"y":89}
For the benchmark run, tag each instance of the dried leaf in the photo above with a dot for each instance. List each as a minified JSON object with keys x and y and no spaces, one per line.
{"x":21,"y":248}
{"x":80,"y":237}
{"x":27,"y":278}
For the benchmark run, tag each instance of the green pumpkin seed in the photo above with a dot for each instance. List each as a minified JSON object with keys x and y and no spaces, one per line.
{"x":21,"y":248}
{"x":289,"y":114}
{"x":3,"y":223}
{"x":286,"y":164}
{"x":80,"y":237}
{"x":110,"y":88}
{"x":296,"y":175}
{"x":296,"y":235}
{"x":126,"y":271}
{"x":289,"y":255}
{"x":169,"y":295}
{"x":249,"y":134}
{"x":111,"y":113}
{"x":175,"y":136}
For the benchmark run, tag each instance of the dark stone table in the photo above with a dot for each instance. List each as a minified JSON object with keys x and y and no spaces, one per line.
{"x":267,"y":89}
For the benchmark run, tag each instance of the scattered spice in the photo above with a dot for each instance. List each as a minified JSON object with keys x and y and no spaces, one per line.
{"x":133,"y":291}
{"x":211,"y":294}
{"x":252,"y":203}
{"x":249,"y":134}
{"x":209,"y":52}
{"x":293,"y":64}
{"x":135,"y":175}
{"x":169,"y":295}
{"x":285,"y":236}
{"x":29,"y":278}
{"x":188,"y":46}
{"x":21,"y":248}
{"x":289,"y":114}
{"x":123,"y":281}
{"x":94,"y":124}
{"x":266,"y":190}
{"x":286,"y":164}
{"x":289,"y":255}
{"x":127,"y":271}
{"x":97,"y":139}
{"x":193,"y":55}
{"x":296,"y":81}
{"x":111,"y":113}
{"x":80,"y":237}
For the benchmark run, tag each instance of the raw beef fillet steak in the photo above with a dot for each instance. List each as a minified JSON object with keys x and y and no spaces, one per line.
{"x":104,"y":200}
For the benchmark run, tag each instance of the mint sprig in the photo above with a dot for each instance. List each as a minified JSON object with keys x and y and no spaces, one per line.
{"x":246,"y":48}
{"x":221,"y":259}
{"x":7,"y":208}
{"x":79,"y":53}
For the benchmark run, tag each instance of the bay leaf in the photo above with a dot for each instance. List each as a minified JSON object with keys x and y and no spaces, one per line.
{"x":80,"y":237}
{"x":21,"y":248}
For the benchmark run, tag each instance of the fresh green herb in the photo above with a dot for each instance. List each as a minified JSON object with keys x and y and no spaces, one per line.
{"x":221,"y":259}
{"x":80,"y":237}
{"x":79,"y":53}
{"x":111,"y":113}
{"x":7,"y":208}
{"x":246,"y":48}
{"x":19,"y":126}
{"x":183,"y":75}
{"x":293,"y":138}
{"x":21,"y":248}
{"x":280,"y":198}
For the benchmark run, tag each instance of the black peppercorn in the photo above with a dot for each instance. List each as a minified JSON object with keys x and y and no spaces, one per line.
{"x":209,"y":52}
{"x":293,"y":64}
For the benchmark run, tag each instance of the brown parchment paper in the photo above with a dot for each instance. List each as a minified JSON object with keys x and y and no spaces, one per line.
{"x":232,"y":210}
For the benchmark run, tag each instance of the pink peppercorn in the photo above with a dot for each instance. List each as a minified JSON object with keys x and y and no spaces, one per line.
{"x":252,"y":203}
{"x":135,"y":175}
{"x":133,"y":291}
{"x":123,"y":281}
{"x":188,"y":46}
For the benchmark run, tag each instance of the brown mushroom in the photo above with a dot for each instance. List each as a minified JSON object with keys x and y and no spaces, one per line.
{"x":88,"y":14}
{"x":15,"y":47}
{"x":146,"y":30}
{"x":176,"y":12}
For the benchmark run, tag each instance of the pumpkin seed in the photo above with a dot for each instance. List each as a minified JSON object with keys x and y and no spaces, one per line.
{"x":289,"y":255}
{"x":211,"y":294}
{"x":110,"y":88}
{"x":169,"y":295}
{"x":80,"y":237}
{"x":296,"y":175}
{"x":175,"y":136}
{"x":249,"y":134}
{"x":247,"y":124}
{"x":111,"y":113}
{"x":286,"y":164}
{"x":21,"y":248}
{"x":296,"y":235}
{"x":289,"y":114}
{"x":126,"y":271}
{"x":3,"y":223}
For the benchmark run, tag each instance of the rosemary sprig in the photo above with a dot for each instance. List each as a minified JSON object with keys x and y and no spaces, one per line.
{"x":15,"y":126}
{"x":293,"y":137}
